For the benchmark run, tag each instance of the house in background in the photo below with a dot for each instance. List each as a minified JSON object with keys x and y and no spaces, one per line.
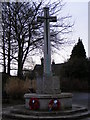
{"x":38,"y":69}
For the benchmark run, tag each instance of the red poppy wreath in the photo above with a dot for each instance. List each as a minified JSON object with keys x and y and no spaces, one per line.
{"x":34,"y":104}
{"x":54,"y":104}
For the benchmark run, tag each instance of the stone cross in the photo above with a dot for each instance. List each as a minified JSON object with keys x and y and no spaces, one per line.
{"x":47,"y":45}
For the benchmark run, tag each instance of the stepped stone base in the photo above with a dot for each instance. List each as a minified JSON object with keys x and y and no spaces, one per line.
{"x":19,"y":112}
{"x":64,"y":98}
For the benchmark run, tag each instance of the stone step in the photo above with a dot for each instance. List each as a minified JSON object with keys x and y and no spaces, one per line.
{"x":87,"y":118}
{"x":21,"y":113}
{"x":31,"y":117}
{"x":52,"y":113}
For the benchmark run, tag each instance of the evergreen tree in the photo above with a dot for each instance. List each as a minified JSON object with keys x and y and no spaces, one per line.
{"x":77,"y":66}
{"x":78,"y":50}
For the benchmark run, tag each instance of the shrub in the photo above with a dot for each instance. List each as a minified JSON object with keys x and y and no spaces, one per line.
{"x":16,"y":87}
{"x":74,"y":85}
{"x":80,"y":85}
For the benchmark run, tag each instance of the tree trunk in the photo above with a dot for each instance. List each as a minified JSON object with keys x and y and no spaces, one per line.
{"x":20,"y":63}
{"x":9,"y":39}
{"x":20,"y":67}
{"x":8,"y":69}
{"x":4,"y":62}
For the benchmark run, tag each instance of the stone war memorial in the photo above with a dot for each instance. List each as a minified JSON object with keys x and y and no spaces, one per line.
{"x":49,"y":102}
{"x":49,"y":86}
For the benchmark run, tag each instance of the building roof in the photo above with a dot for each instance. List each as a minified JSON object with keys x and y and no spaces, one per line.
{"x":55,"y":68}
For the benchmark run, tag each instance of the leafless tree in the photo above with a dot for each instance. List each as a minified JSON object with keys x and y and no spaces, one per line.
{"x":22,"y":34}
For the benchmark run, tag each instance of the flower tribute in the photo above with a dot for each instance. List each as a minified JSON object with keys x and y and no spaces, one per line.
{"x":34,"y":104}
{"x":54,"y":104}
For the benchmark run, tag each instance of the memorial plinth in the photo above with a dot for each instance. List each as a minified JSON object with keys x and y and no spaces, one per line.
{"x":49,"y":92}
{"x":64,"y":98}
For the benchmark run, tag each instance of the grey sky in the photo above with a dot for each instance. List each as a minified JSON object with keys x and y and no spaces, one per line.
{"x":79,"y":12}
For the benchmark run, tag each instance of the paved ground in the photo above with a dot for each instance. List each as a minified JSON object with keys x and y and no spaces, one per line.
{"x":82,"y":99}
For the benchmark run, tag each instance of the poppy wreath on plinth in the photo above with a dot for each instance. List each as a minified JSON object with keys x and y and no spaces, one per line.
{"x":54,"y":104}
{"x":34,"y":104}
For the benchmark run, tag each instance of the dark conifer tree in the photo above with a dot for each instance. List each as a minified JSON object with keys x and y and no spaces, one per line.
{"x":78,"y":50}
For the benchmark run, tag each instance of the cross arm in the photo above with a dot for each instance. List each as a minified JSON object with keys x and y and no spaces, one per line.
{"x":40,"y":19}
{"x":53,"y":19}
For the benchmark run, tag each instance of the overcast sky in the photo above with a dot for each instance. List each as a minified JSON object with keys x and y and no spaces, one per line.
{"x":79,"y":11}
